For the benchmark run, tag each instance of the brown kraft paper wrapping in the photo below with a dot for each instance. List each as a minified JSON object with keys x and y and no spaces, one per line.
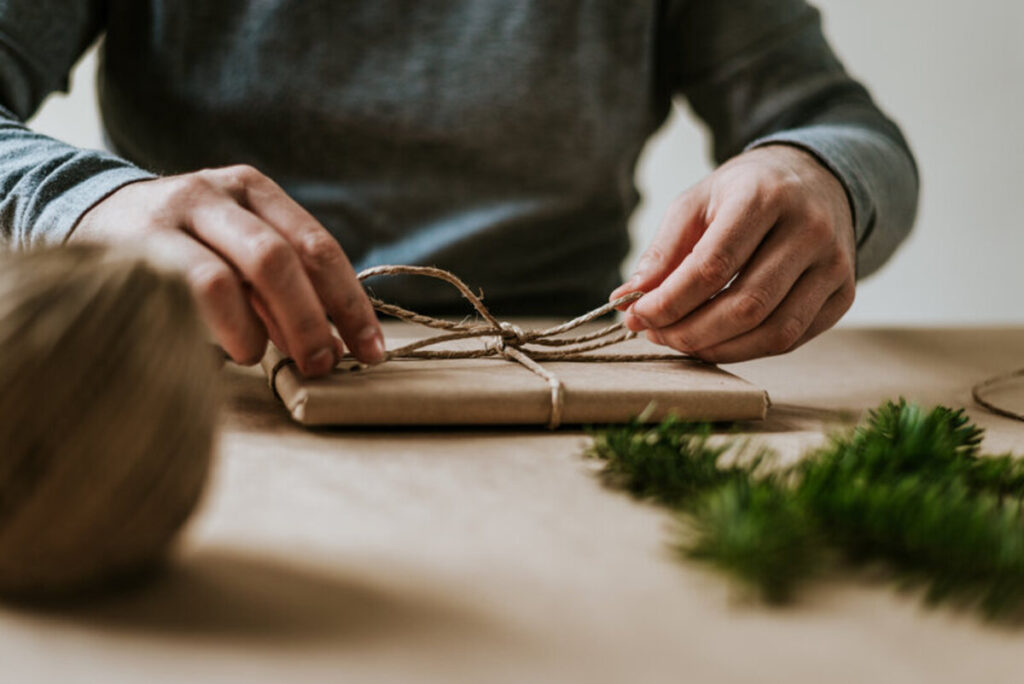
{"x":496,"y":391}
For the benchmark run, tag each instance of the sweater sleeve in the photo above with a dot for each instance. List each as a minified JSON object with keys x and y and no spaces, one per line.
{"x":47,"y":185}
{"x":760,"y":72}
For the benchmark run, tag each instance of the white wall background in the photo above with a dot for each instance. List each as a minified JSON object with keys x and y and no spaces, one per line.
{"x":951,"y":72}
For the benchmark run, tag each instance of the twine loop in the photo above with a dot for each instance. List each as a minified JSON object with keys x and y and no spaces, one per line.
{"x":505,"y":339}
{"x":980,"y":390}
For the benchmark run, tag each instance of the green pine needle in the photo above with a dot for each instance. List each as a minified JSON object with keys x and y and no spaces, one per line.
{"x":758,"y":533}
{"x":908,"y":487}
{"x":671,"y":463}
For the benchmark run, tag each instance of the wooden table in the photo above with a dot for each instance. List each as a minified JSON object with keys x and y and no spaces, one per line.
{"x":497,"y":556}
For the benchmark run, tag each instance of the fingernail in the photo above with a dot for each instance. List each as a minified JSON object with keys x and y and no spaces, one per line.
{"x":321,"y":362}
{"x":372,"y":345}
{"x":642,"y":265}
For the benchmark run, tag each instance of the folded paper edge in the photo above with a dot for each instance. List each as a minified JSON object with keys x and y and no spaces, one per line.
{"x":285,"y":383}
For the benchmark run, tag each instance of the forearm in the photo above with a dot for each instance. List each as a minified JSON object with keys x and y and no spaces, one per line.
{"x":47,"y":185}
{"x":760,"y":72}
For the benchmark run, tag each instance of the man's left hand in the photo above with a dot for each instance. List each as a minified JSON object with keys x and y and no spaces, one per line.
{"x":755,"y":260}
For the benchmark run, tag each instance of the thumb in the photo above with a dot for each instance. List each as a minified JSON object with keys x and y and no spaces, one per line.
{"x":680,"y":229}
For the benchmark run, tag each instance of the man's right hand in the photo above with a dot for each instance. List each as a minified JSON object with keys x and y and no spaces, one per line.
{"x":257,"y":262}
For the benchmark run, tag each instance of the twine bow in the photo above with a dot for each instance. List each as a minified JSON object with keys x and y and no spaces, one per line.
{"x":505,"y":339}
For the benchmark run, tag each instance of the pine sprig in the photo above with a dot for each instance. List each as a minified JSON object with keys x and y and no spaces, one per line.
{"x":908,"y":487}
{"x":755,"y":531}
{"x":672,"y":463}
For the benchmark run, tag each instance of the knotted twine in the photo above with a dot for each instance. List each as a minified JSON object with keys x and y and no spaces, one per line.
{"x":507,"y":340}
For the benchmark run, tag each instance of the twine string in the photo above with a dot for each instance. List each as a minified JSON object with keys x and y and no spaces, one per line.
{"x":507,"y":340}
{"x":980,"y":390}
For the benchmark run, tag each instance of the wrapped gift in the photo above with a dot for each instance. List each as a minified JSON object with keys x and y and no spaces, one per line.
{"x":497,"y":391}
{"x":490,"y":372}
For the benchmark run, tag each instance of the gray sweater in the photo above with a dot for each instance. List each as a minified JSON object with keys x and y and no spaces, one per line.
{"x":494,"y":138}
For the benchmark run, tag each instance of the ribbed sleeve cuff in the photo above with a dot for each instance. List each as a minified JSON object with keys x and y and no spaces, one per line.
{"x":64,"y":209}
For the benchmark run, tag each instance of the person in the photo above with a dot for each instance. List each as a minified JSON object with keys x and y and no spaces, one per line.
{"x":263,"y":148}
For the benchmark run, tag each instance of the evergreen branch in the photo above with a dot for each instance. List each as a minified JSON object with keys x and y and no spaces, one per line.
{"x":756,"y":532}
{"x":671,"y":463}
{"x":908,"y":487}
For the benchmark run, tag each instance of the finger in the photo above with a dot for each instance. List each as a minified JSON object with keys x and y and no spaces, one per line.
{"x":735,"y":232}
{"x":275,"y":332}
{"x":271,"y":266}
{"x":748,"y":301}
{"x":680,"y":229}
{"x":326,"y":264}
{"x":783,"y":329}
{"x":273,"y":329}
{"x":219,"y":294}
{"x":833,"y":311}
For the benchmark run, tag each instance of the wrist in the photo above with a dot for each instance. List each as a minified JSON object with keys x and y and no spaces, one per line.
{"x":94,"y":224}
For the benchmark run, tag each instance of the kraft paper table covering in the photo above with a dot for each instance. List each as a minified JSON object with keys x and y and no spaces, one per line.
{"x":495,"y":555}
{"x":492,"y":391}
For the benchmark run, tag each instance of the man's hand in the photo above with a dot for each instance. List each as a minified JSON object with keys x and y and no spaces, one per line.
{"x":258,"y":263}
{"x":778,"y":222}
